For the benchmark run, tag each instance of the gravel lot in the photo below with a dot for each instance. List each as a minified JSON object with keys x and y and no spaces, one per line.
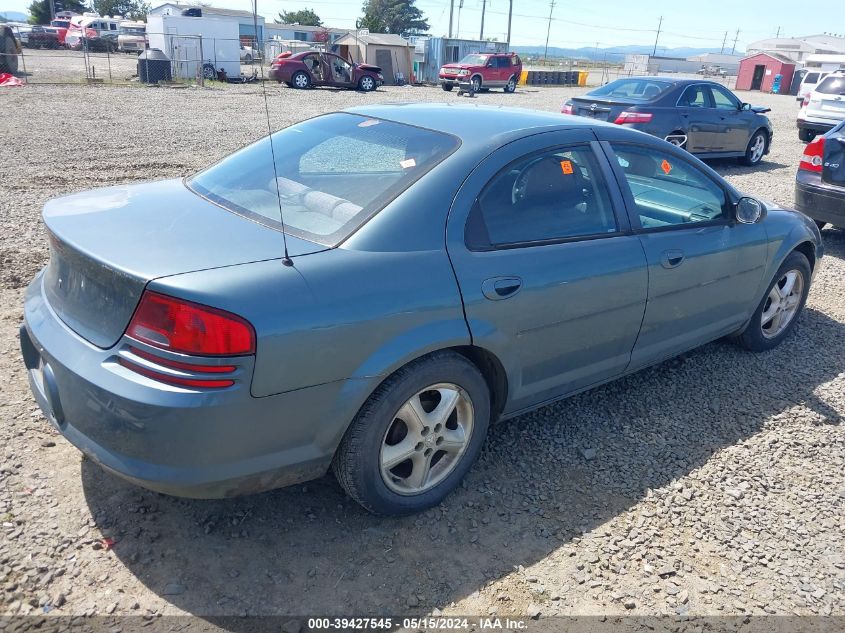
{"x":709,"y":485}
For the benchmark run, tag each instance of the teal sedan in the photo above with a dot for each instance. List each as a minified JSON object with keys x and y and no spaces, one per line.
{"x":398,"y":279}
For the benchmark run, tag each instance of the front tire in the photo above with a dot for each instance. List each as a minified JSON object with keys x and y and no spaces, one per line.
{"x":806,"y":135}
{"x":756,"y":149}
{"x":447,"y":87}
{"x":476,"y":83}
{"x":416,"y":437}
{"x":366,"y":83}
{"x":781,"y":306}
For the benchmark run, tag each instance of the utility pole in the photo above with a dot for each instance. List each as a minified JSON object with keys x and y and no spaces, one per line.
{"x":735,"y":41}
{"x":483,"y":10}
{"x":656,"y":37}
{"x":777,"y":35}
{"x":458,"y":25}
{"x":52,"y":10}
{"x":451,"y":13}
{"x":724,"y":41}
{"x":548,"y":30}
{"x":510,"y":17}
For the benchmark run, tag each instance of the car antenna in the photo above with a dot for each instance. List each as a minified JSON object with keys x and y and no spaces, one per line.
{"x":286,"y":260}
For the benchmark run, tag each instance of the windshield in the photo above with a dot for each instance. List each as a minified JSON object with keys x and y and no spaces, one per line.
{"x":474,"y":60}
{"x":334,"y":173}
{"x":633,"y":89}
{"x":132,"y":30}
{"x":832,"y":86}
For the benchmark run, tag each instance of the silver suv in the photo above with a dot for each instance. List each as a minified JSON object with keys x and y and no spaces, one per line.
{"x":823,"y":108}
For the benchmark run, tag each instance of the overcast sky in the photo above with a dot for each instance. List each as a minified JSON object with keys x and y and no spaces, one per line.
{"x":606,"y":22}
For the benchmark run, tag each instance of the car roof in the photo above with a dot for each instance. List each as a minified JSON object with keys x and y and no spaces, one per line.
{"x":475,"y":123}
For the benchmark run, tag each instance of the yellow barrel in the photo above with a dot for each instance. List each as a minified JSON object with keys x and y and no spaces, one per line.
{"x":582,"y":77}
{"x":523,"y":78}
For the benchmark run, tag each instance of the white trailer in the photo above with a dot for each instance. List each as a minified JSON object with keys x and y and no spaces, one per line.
{"x":193,"y":42}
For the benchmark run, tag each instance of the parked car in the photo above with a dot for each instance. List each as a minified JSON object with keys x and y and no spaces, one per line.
{"x":820,"y":181}
{"x":10,"y":48}
{"x":248,"y":54}
{"x":313,"y":68}
{"x":703,"y":117}
{"x":401,"y":276}
{"x":711,"y":71}
{"x":132,"y":36}
{"x":483,"y":70}
{"x":823,"y":108}
{"x":809,"y":82}
{"x":43,"y":37}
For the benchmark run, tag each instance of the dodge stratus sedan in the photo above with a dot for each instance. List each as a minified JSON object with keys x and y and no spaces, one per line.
{"x":401,"y":277}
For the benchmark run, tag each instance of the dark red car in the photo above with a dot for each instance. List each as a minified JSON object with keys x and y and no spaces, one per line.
{"x":313,"y":68}
{"x":483,"y":70}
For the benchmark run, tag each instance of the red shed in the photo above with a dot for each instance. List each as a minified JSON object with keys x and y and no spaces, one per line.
{"x":757,"y":72}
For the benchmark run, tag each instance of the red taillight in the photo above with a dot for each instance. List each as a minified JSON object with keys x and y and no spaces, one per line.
{"x":813,"y":155}
{"x":566,"y":109}
{"x":805,"y":102}
{"x":633,"y":117}
{"x":190,"y":328}
{"x":182,"y":366}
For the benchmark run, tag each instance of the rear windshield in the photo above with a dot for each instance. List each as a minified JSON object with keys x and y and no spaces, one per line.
{"x":635,"y":89}
{"x":334,"y":173}
{"x":832,"y":86}
{"x":474,"y":60}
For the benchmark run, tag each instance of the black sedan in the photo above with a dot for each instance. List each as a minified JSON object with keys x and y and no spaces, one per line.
{"x":820,"y":181}
{"x":703,"y":117}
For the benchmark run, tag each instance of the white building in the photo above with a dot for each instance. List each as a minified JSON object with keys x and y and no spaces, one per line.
{"x":799,"y":48}
{"x":301,"y":33}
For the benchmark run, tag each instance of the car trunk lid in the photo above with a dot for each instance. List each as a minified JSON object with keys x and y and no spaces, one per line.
{"x":106,"y":245}
{"x":833,"y":164}
{"x":602,"y":109}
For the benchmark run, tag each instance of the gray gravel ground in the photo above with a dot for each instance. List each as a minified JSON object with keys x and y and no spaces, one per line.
{"x":709,"y":485}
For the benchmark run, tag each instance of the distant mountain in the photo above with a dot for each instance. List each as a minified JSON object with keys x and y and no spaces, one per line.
{"x":615,"y":53}
{"x":14,"y":16}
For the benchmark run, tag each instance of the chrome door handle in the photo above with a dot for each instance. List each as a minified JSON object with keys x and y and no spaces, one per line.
{"x":498,"y":288}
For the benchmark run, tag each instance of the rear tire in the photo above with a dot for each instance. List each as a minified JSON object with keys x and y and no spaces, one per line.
{"x":8,"y":54}
{"x":760,"y":334}
{"x":379,"y":435}
{"x":301,"y":80}
{"x":806,"y":135}
{"x":756,"y":149}
{"x":510,"y":87}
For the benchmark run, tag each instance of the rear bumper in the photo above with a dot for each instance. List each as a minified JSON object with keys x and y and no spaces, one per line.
{"x":819,"y":200}
{"x":183,"y":442}
{"x":816,"y":126}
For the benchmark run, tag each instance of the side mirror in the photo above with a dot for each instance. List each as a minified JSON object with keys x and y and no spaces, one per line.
{"x":749,"y":210}
{"x":744,"y":106}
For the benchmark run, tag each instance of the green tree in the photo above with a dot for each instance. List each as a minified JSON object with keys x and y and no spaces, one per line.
{"x":39,"y":10}
{"x":392,"y":16}
{"x":304,"y":17}
{"x":129,"y":9}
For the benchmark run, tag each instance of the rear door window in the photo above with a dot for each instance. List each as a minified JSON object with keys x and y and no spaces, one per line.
{"x":553,"y":195}
{"x":695,"y":97}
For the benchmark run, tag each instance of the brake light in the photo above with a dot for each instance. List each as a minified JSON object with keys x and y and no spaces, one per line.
{"x":190,"y":328}
{"x":633,"y":117}
{"x":566,"y":108}
{"x":813,"y":155}
{"x":806,"y":101}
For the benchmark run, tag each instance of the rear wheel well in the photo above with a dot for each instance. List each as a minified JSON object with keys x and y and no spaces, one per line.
{"x":809,"y":251}
{"x":494,"y":374}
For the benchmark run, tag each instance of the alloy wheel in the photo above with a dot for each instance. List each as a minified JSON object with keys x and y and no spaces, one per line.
{"x":426,"y":439}
{"x":300,"y":81}
{"x":782,"y":303}
{"x":758,"y":148}
{"x":367,"y":83}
